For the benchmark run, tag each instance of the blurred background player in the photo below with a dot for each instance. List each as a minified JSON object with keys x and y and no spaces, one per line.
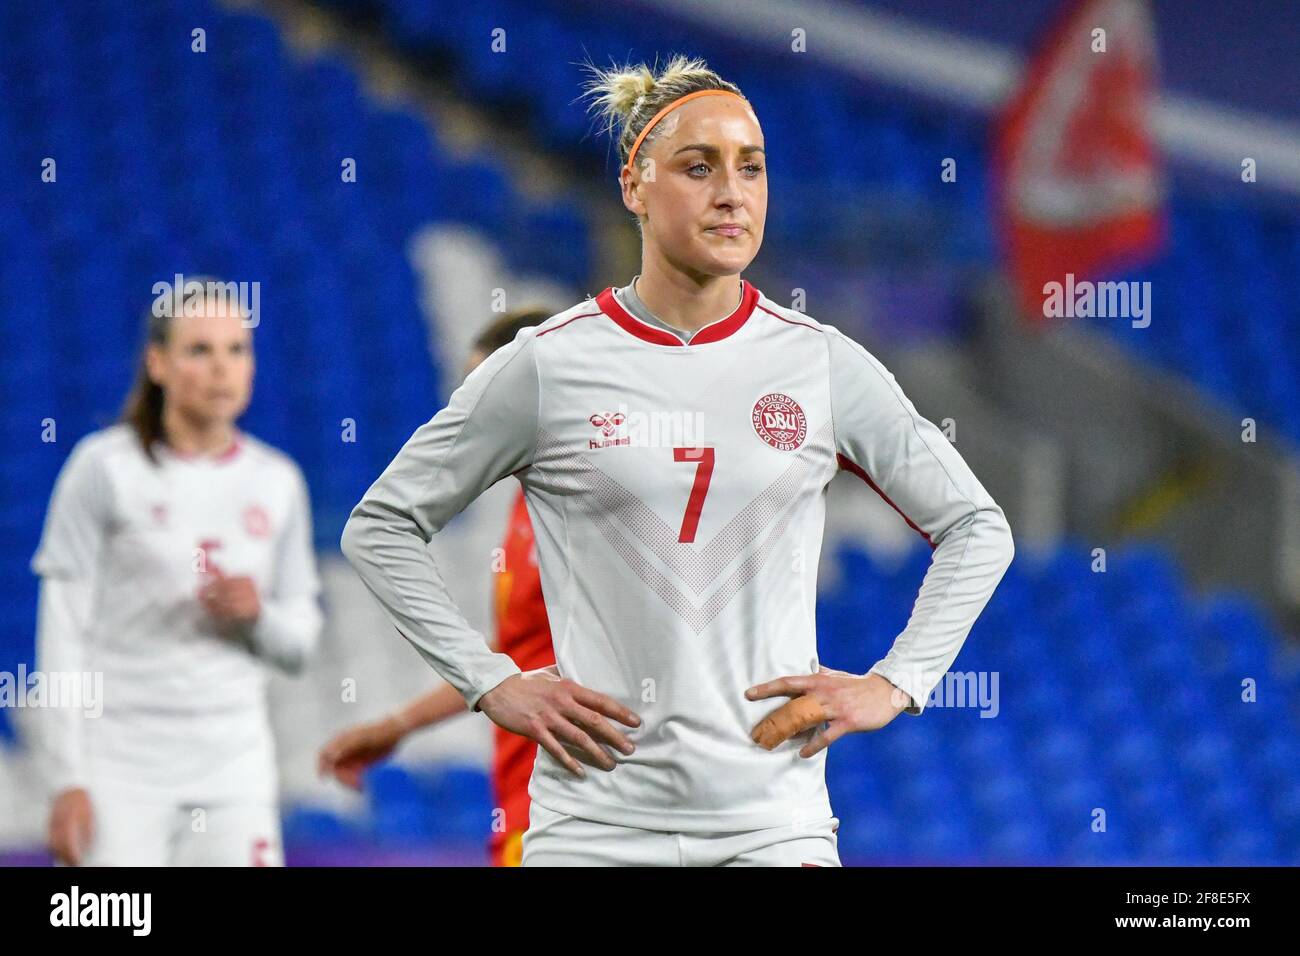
{"x":521,"y":632}
{"x":177,"y":561}
{"x":675,"y":453}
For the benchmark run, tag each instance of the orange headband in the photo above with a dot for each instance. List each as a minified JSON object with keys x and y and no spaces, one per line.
{"x":631,"y":157}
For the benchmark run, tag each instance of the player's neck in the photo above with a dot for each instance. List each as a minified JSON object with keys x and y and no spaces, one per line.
{"x":684,"y":302}
{"x":188,"y":437}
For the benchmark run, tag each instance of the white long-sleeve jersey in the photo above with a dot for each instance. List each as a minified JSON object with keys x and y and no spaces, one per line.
{"x":122,"y":556}
{"x":677,"y":493}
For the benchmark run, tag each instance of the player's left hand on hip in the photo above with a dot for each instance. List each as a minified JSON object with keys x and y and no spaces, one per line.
{"x":845,"y":702}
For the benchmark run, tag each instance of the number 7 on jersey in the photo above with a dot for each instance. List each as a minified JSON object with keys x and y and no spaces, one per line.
{"x":695,"y":504}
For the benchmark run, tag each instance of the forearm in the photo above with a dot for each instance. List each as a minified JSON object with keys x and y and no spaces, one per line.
{"x":63,"y":612}
{"x":965,"y":568}
{"x":389,"y":553}
{"x":286,"y":632}
{"x":429,"y":709}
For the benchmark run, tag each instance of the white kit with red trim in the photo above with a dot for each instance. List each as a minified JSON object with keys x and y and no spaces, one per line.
{"x":677,"y":492}
{"x":127,"y":544}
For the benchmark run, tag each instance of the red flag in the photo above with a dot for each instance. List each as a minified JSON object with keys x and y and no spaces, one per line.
{"x":1077,"y":177}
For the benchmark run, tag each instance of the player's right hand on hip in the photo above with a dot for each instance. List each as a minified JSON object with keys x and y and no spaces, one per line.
{"x":72,"y":826}
{"x":565,"y":718}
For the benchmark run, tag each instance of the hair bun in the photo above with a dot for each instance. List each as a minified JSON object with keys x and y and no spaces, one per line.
{"x":621,"y":92}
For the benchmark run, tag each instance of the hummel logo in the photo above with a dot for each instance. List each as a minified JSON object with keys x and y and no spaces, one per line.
{"x":607,"y":423}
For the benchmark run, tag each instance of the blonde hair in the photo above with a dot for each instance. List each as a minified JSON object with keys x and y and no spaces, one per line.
{"x":628,"y":97}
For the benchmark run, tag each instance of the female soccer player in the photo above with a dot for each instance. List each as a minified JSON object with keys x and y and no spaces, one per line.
{"x":521,"y":632}
{"x":674,"y":440}
{"x":176,"y":561}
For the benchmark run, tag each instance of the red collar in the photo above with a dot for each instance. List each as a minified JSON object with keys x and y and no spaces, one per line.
{"x":712,"y":332}
{"x":228,"y":455}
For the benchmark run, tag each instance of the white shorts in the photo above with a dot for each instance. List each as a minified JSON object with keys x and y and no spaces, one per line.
{"x":559,"y":839}
{"x":134,"y":832}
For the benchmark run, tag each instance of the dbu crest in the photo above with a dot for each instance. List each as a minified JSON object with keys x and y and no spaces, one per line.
{"x":780,"y":421}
